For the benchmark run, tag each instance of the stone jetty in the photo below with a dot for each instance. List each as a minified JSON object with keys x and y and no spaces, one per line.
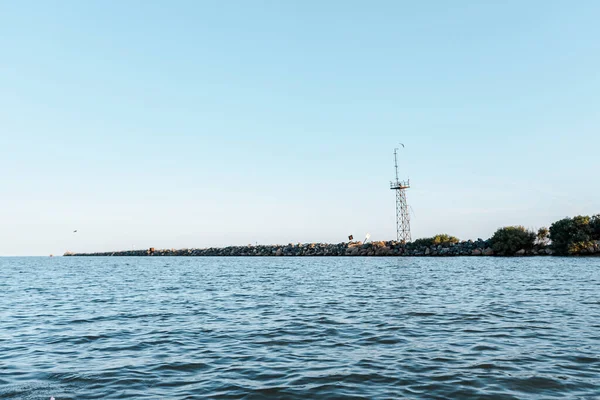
{"x":390,"y":248}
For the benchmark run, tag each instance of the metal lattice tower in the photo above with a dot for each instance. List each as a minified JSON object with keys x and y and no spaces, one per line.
{"x":402,"y":216}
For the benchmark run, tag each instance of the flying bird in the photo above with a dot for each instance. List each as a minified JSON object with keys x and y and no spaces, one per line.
{"x":75,"y":231}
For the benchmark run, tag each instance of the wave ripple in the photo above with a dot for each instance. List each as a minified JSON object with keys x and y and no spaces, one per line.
{"x":183,"y":328}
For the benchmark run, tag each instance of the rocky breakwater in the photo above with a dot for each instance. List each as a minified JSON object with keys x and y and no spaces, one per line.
{"x":388,"y":248}
{"x":477,"y":247}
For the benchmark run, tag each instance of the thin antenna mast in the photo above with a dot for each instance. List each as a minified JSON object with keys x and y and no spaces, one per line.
{"x":396,"y":162}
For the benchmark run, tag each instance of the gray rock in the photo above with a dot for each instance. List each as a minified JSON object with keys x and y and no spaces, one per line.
{"x":383,"y":251}
{"x":591,"y":249}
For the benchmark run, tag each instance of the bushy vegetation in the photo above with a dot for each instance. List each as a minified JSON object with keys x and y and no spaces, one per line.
{"x":443,"y":239}
{"x":423,"y":242}
{"x":595,"y":226}
{"x":574,"y":235}
{"x":579,"y":235}
{"x":510,"y":239}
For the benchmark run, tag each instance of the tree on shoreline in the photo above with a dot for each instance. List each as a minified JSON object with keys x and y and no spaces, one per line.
{"x":568,"y":233}
{"x":440,"y":239}
{"x":595,"y":226}
{"x":575,"y":235}
{"x":509,"y":240}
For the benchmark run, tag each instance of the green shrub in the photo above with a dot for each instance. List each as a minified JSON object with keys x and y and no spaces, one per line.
{"x":423,"y":242}
{"x":510,"y":239}
{"x":595,"y":226}
{"x":570,"y":234}
{"x":443,"y":239}
{"x":580,"y":247}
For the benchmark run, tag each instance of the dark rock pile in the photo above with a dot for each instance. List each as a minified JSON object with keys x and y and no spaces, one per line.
{"x":390,"y":248}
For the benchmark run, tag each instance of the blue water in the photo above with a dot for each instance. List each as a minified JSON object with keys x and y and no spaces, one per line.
{"x":377,"y":328}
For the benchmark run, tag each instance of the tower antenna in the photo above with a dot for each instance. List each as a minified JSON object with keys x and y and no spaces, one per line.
{"x":402,"y":214}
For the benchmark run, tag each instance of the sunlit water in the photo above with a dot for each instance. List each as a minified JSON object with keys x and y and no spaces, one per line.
{"x":184,"y":328}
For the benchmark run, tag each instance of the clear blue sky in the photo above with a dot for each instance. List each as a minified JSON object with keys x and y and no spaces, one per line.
{"x":208,"y":123}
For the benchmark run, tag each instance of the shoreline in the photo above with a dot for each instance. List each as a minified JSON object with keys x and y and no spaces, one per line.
{"x":479,"y":248}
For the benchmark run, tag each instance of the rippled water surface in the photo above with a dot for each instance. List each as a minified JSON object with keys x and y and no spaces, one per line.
{"x":184,"y":328}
